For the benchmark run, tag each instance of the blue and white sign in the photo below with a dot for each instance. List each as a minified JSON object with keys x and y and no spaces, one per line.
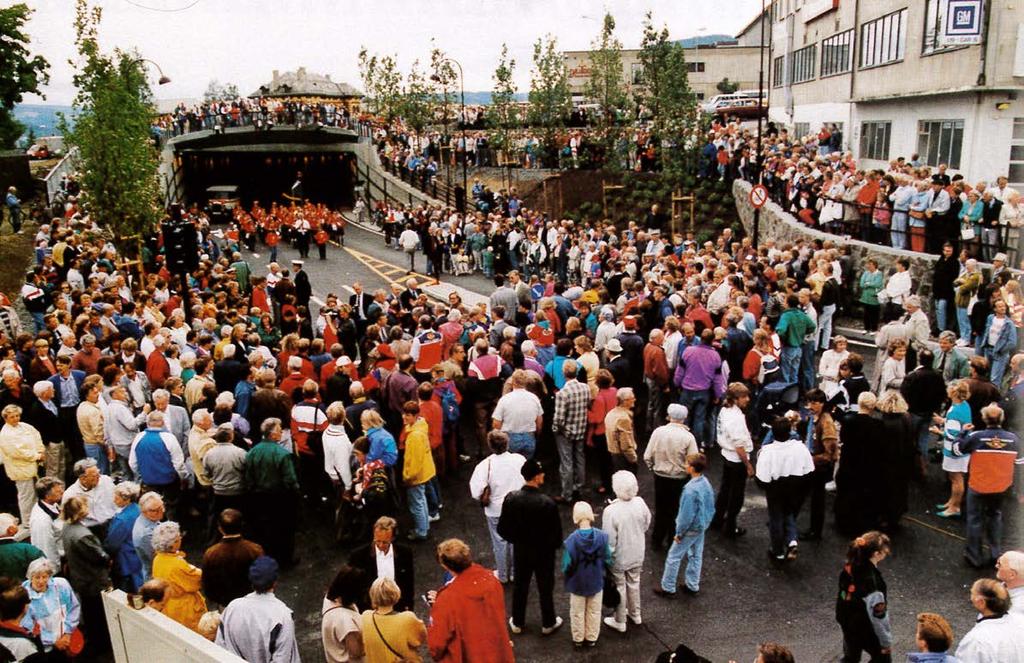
{"x":961,"y":24}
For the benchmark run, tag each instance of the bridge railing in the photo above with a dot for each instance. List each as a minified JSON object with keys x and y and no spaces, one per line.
{"x":53,"y":179}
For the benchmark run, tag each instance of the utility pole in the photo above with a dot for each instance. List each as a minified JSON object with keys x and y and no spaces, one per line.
{"x":760,"y":121}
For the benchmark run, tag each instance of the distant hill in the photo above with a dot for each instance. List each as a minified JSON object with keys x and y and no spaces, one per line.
{"x":41,"y":118}
{"x":704,"y":40}
{"x":483,"y":98}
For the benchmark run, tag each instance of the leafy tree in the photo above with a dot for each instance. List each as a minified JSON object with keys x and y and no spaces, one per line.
{"x":112,"y":133}
{"x":503,"y":115}
{"x":445,"y":82}
{"x":217,"y":92}
{"x":667,"y":97}
{"x":382,"y":83}
{"x":606,"y":88}
{"x":550,"y":101}
{"x":20,"y":72}
{"x":417,"y":104}
{"x":725,"y":86}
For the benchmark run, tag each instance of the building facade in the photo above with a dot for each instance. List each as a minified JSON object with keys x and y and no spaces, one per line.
{"x":707,"y":66}
{"x":880,"y":71}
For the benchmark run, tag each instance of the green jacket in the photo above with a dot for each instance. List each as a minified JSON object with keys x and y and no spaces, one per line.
{"x":966,"y":287}
{"x":15,"y":557}
{"x":870,"y":284}
{"x":269,"y":468}
{"x":793,"y":326}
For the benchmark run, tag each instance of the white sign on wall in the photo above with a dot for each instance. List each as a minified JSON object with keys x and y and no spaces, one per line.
{"x":961,"y":24}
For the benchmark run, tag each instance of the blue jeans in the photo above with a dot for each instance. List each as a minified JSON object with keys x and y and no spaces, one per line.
{"x":523,"y":444}
{"x":418,"y":509}
{"x":807,"y":373}
{"x":984,"y":521}
{"x":941,"y":314}
{"x":692,"y":545}
{"x":39,"y":320}
{"x":790,"y":363}
{"x":997,"y":366}
{"x":697,"y":403}
{"x":432,"y":491}
{"x":825,"y":326}
{"x":502,"y":551}
{"x":97,"y":452}
{"x":898,"y":230}
{"x":964,"y":321}
{"x":781,"y":523}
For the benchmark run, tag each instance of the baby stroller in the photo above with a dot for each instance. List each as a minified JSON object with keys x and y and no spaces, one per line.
{"x":774,"y":400}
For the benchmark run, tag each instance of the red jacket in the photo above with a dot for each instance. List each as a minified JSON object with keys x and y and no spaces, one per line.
{"x":157,"y":369}
{"x":468,"y":620}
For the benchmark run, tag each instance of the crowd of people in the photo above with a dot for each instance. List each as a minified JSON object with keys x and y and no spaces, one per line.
{"x":135,"y":407}
{"x":261,"y":113}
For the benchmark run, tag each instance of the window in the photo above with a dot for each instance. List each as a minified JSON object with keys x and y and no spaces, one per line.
{"x":883,"y":40}
{"x":801,"y":129}
{"x":934,"y":15}
{"x":636,"y":73}
{"x":874,"y":140}
{"x":836,"y":52}
{"x":779,"y":72}
{"x":803,"y":63}
{"x":939,"y":141}
{"x":1016,"y":172}
{"x":695,"y":67}
{"x":700,"y":96}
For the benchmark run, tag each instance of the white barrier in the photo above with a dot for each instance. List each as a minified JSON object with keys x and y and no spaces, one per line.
{"x":146,"y":636}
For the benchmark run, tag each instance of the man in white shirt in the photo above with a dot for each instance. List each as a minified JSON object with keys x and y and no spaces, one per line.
{"x":386,"y":559}
{"x":1009,"y":569}
{"x":99,"y":488}
{"x":409,"y":240}
{"x":784,"y":468}
{"x":519,"y":414}
{"x":665,"y":456}
{"x":493,"y":478}
{"x":45,"y":524}
{"x":737,"y":445}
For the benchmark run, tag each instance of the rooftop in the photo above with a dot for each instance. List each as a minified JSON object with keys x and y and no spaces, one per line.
{"x":301,"y":83}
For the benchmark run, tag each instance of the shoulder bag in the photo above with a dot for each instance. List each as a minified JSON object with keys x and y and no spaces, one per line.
{"x":485,"y":495}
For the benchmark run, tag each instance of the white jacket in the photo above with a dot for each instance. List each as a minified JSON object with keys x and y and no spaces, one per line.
{"x":993,"y":640}
{"x":625,"y":521}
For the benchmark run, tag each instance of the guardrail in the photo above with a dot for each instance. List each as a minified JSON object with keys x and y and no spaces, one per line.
{"x":65,"y":166}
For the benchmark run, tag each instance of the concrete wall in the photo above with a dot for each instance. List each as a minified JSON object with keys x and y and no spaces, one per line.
{"x":379,"y":180}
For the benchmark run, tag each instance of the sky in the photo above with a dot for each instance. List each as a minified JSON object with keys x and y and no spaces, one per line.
{"x":243,"y":41}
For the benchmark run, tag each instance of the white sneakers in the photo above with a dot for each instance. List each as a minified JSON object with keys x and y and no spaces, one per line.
{"x":548,"y":630}
{"x":611,"y":623}
{"x":512,"y":627}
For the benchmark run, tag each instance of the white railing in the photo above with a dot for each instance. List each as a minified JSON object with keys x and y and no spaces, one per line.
{"x":65,"y":166}
{"x":146,"y":636}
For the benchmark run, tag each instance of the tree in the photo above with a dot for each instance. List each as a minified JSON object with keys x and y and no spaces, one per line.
{"x":550,"y":102}
{"x":606,"y":88}
{"x":112,"y":133}
{"x":382,"y":83}
{"x":725,"y":86}
{"x":444,"y":78}
{"x":217,"y":92}
{"x":417,"y":105}
{"x":20,"y":72}
{"x":666,"y":96}
{"x":503,"y":115}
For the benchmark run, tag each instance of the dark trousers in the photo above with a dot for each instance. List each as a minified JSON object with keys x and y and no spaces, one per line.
{"x":984,"y":521}
{"x":528,"y":562}
{"x":821,"y":476}
{"x":666,"y":506}
{"x":602,"y":460}
{"x":73,"y":437}
{"x":272,"y":521}
{"x":871,"y":315}
{"x":171,"y":493}
{"x":94,"y":625}
{"x":730,"y":495}
{"x":783,"y":507}
{"x":853,"y":646}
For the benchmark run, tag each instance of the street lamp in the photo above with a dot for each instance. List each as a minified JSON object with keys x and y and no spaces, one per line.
{"x":760,"y":111}
{"x":163,"y":80}
{"x":462,"y":88}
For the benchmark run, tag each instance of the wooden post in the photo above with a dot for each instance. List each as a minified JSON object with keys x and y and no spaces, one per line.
{"x":677,"y":198}
{"x":605,"y":188}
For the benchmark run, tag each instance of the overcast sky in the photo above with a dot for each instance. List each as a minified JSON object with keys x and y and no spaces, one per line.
{"x":242,"y":41}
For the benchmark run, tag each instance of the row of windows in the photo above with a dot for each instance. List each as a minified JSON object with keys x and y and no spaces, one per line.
{"x":938,"y":141}
{"x":636,"y":71}
{"x":882,"y":41}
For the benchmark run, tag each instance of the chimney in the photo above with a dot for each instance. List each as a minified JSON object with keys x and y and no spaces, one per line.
{"x":300,"y":74}
{"x":273,"y":80}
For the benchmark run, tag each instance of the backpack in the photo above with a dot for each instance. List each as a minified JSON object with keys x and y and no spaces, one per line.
{"x":450,"y":406}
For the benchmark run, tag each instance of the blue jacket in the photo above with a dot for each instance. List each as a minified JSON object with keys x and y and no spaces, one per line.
{"x":696,"y":507}
{"x":79,"y":377}
{"x":155,"y":465}
{"x":120,"y":547}
{"x":58,"y":597}
{"x":584,"y":558}
{"x":931,"y":657}
{"x":382,"y":446}
{"x":1007,"y":340}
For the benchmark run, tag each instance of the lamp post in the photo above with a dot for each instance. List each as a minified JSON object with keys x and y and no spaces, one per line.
{"x":760,"y":119}
{"x":465,"y":154}
{"x":163,"y":80}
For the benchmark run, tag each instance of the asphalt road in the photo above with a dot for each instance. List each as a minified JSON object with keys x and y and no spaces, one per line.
{"x":744,"y":599}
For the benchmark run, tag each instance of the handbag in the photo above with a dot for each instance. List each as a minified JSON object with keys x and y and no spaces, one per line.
{"x":77,"y":642}
{"x":967,"y":232}
{"x":485,"y":495}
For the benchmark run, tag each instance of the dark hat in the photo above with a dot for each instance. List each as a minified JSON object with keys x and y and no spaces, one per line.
{"x":938,"y":179}
{"x":263,"y":573}
{"x":531,"y":468}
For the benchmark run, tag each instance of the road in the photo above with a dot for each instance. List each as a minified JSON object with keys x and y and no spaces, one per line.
{"x":744,"y":599}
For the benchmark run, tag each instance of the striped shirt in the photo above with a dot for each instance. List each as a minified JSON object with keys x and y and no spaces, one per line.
{"x":571,"y":404}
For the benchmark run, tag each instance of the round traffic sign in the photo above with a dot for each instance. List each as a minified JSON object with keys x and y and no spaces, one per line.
{"x":758,"y":195}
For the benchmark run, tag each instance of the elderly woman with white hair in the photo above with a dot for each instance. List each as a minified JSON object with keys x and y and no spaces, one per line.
{"x":626,"y":521}
{"x":584,"y":559}
{"x":185,"y":602}
{"x":22,"y":450}
{"x":127,"y":569}
{"x":53,"y":611}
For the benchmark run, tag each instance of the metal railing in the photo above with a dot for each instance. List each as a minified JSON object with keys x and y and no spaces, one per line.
{"x":54,"y":178}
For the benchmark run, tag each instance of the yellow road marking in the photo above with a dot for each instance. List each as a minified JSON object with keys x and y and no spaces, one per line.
{"x":384,"y":269}
{"x":934,"y":528}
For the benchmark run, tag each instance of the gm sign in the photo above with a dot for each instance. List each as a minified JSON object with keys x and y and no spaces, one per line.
{"x":962,"y":24}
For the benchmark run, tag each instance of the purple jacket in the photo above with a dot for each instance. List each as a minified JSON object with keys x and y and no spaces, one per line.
{"x":700,"y":369}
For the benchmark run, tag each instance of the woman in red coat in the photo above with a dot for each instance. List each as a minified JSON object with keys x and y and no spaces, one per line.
{"x":468,"y":614}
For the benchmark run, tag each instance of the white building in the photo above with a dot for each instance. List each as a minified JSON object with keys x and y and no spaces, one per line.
{"x":878,"y":69}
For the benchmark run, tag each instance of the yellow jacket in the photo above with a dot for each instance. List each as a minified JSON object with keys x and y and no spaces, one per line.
{"x":20,"y":447}
{"x":419,"y":464}
{"x":90,"y":422}
{"x":185,"y":603}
